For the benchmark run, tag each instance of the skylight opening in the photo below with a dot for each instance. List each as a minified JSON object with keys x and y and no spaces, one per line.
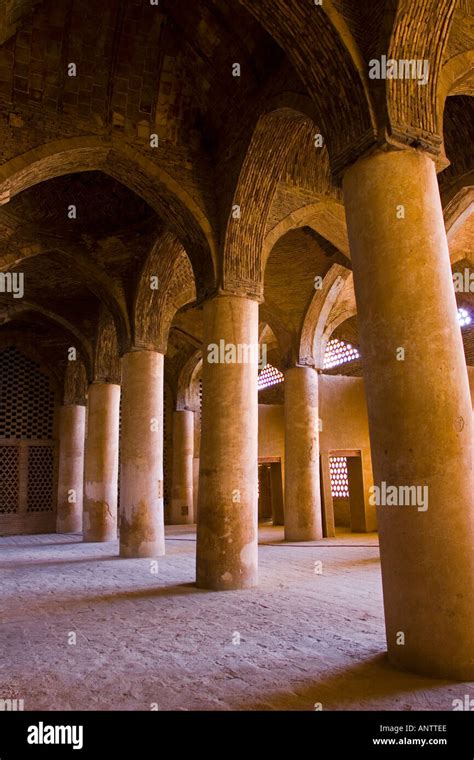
{"x":464,"y":318}
{"x":339,"y":352}
{"x":269,"y":376}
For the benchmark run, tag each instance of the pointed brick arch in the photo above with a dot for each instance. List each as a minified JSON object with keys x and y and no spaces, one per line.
{"x":108,"y":291}
{"x":275,"y":135}
{"x":413,"y":109}
{"x":107,"y":363}
{"x":187,"y":394}
{"x":75,"y":383}
{"x":455,"y":78}
{"x":459,"y":221}
{"x":323,"y":51}
{"x":318,"y":325}
{"x":140,"y":173}
{"x":69,"y":328}
{"x":325,"y":216}
{"x":173,"y":287}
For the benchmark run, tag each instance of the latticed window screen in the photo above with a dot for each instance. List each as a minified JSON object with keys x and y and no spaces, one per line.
{"x":26,"y":432}
{"x":9,"y":479}
{"x":40,"y":478}
{"x":26,"y":399}
{"x":339,"y":477}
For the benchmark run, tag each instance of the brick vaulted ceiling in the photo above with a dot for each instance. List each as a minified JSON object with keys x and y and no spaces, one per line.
{"x":137,"y":64}
{"x":167,"y":69}
{"x":103,"y":207}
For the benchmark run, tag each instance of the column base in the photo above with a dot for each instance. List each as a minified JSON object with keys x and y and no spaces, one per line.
{"x":70,"y":525}
{"x":304,"y":534}
{"x":420,"y":667}
{"x":143,"y":550}
{"x":226,"y":584}
{"x":97,"y":539}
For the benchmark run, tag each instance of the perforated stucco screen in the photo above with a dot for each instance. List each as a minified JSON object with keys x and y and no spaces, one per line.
{"x":9,"y":479}
{"x":339,"y":477}
{"x":26,"y":400}
{"x":40,"y":478}
{"x":26,"y":436}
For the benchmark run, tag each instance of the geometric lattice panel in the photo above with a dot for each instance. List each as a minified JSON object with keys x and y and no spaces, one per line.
{"x":40,"y":478}
{"x":339,"y":477}
{"x":26,"y":400}
{"x":269,"y":376}
{"x":339,"y":352}
{"x":9,"y":479}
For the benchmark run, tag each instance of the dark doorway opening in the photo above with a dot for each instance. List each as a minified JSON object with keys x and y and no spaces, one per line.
{"x":270,"y":492}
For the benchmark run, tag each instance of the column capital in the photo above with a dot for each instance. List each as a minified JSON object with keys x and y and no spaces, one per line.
{"x":394,"y":144}
{"x":139,"y":348}
{"x":249,"y":291}
{"x":104,"y":381}
{"x":297,"y":365}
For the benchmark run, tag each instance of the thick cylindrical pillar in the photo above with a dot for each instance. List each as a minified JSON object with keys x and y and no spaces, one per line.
{"x":101,"y":463}
{"x":420,"y":413}
{"x":227,"y":501}
{"x":182,"y":482}
{"x":303,"y":517}
{"x":142,"y":532}
{"x":72,"y":426}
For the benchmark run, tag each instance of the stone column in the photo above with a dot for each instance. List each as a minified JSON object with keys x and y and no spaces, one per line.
{"x":72,"y":426}
{"x":227,"y":500}
{"x":303,"y":518}
{"x":101,"y":463}
{"x":142,"y":532}
{"x":419,"y":406}
{"x":182,"y":484}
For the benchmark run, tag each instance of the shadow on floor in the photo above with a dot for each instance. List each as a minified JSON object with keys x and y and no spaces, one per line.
{"x":40,"y":545}
{"x":14,"y":564}
{"x":360,"y":685}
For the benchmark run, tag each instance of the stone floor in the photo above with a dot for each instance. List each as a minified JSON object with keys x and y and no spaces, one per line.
{"x":145,"y":636}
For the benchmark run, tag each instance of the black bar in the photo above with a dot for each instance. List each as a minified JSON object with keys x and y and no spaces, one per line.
{"x":318,"y":734}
